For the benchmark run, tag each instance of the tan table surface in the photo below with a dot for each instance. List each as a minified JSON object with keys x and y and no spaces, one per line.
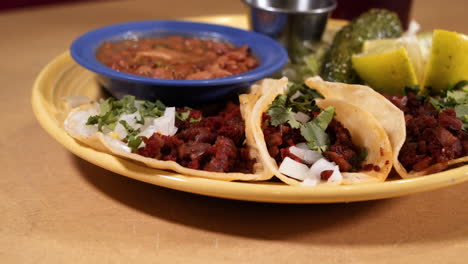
{"x":57,"y":208}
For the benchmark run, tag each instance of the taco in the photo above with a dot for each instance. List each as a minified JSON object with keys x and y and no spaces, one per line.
{"x":307,"y":140}
{"x":208,"y":143}
{"x":424,"y":139}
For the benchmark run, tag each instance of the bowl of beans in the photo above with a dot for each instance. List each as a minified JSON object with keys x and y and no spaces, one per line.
{"x":177,"y":62}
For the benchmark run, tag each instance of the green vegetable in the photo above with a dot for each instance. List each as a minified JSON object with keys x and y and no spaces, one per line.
{"x":454,"y":98}
{"x":183,"y":115}
{"x":281,"y":114}
{"x":325,"y":117}
{"x":195,"y":120}
{"x":299,"y":98}
{"x":314,"y":131}
{"x":133,"y":141}
{"x":150,"y":109}
{"x":316,"y":138}
{"x":374,"y":24}
{"x":111,"y":109}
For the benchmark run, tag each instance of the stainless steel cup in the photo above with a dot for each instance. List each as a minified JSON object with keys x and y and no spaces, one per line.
{"x":294,"y":23}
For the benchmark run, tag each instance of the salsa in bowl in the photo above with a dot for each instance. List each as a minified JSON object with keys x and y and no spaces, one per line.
{"x":258,"y":56}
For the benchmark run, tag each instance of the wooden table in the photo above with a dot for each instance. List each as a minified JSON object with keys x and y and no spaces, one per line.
{"x":57,"y":208}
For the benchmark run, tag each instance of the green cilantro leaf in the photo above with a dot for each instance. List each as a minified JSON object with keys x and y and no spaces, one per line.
{"x":111,"y":109}
{"x":462,"y":114}
{"x":195,"y":120}
{"x":184,"y":115}
{"x":325,"y":117}
{"x":454,"y":98}
{"x":298,"y":98}
{"x":316,"y":138}
{"x":314,"y":131}
{"x":305,"y":102}
{"x":280,"y":114}
{"x":133,"y":141}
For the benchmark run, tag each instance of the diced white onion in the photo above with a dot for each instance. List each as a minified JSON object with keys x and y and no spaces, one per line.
{"x":319,"y":166}
{"x":310,"y":181}
{"x":307,"y":155}
{"x":336,"y":176}
{"x":296,"y":95}
{"x":117,"y":144}
{"x":302,"y":145}
{"x":301,"y":117}
{"x":164,"y":125}
{"x":75,"y":124}
{"x":131,"y":120}
{"x":293,"y":169}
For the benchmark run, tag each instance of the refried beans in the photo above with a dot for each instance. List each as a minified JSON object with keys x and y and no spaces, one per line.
{"x":176,"y":57}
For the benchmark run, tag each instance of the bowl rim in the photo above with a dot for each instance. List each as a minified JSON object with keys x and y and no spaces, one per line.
{"x":274,"y":56}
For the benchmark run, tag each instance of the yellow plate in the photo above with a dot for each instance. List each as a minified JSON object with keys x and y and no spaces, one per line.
{"x":63,"y":77}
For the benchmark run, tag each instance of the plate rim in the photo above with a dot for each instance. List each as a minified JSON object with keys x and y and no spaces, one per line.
{"x":246,"y":191}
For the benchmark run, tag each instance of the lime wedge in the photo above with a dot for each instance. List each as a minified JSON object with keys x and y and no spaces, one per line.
{"x":448,"y":62}
{"x":385,"y":66}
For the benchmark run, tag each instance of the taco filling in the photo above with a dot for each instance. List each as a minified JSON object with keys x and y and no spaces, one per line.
{"x":208,"y":142}
{"x":435,"y":128}
{"x":306,"y":139}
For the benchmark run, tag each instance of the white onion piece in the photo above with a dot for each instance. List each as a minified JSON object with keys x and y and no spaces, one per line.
{"x":117,"y":144}
{"x":301,"y":117}
{"x":336,"y":176}
{"x":296,"y":95}
{"x":319,"y":166}
{"x":307,"y":155}
{"x":302,"y":145}
{"x":75,"y":124}
{"x":310,"y":181}
{"x":293,"y":169}
{"x":131,"y":120}
{"x":164,"y":125}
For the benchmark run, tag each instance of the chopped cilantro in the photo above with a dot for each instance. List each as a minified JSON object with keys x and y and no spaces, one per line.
{"x":454,"y":98}
{"x":133,"y":141}
{"x":314,"y":131}
{"x":183,"y":115}
{"x":325,"y":117}
{"x":462,"y":114}
{"x":305,"y":102}
{"x":195,"y":120}
{"x":298,"y":98}
{"x":280,"y":114}
{"x":150,"y":109}
{"x":111,"y":109}
{"x":316,"y":138}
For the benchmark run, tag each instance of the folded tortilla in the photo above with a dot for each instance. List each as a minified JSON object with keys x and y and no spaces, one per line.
{"x":364,"y":129}
{"x":388,"y":115}
{"x":75,"y":125}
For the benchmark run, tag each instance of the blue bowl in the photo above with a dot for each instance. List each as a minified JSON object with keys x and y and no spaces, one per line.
{"x":271,"y":55}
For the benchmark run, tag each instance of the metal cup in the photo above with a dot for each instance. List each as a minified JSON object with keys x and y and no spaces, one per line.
{"x":296,"y":24}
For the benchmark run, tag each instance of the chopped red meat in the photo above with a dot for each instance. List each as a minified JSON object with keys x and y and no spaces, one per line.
{"x":431,"y":136}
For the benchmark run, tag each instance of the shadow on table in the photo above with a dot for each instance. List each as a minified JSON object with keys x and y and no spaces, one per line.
{"x":399,"y":220}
